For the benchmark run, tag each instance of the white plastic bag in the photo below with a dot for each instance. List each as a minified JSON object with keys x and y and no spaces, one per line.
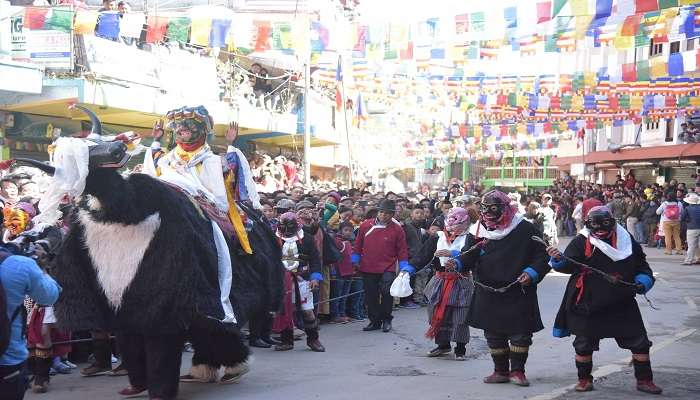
{"x":401,"y":287}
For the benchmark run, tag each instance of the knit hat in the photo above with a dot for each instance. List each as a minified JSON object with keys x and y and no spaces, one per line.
{"x":387,"y":205}
{"x":304,"y":204}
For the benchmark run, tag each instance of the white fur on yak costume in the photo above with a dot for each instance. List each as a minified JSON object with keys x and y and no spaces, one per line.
{"x":143,"y":259}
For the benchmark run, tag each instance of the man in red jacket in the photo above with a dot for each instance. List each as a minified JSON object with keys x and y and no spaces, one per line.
{"x":379,"y":245}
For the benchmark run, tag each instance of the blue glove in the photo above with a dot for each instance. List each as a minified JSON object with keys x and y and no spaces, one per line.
{"x":644,"y":283}
{"x":404,"y":266}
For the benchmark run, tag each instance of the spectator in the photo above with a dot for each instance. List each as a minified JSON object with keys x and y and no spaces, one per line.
{"x":650,"y":220}
{"x":691,"y":214}
{"x":9,"y":194}
{"x":549,"y":224}
{"x":343,"y":272}
{"x":670,"y":212}
{"x":20,"y":276}
{"x":631,"y":217}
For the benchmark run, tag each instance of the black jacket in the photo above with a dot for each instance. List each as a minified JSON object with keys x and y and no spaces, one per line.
{"x":497,"y":265}
{"x":604,"y":310}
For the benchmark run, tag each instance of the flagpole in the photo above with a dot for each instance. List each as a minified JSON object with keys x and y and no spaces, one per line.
{"x":347,"y":130}
{"x":307,"y":128}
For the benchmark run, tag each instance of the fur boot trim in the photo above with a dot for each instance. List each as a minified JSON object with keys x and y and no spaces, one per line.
{"x":204,"y":373}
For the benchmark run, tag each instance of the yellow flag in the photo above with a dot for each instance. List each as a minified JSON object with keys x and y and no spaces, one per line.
{"x":199,"y":35}
{"x":85,"y":22}
{"x":581,"y":26}
{"x":657,"y":67}
{"x":636,"y":102}
{"x":623,"y":42}
{"x":589,"y":79}
{"x":579,"y":7}
{"x":695,"y":101}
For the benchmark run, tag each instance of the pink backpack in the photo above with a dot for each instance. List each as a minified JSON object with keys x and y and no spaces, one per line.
{"x":672,"y":212}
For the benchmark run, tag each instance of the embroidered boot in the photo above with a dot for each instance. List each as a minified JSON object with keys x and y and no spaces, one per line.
{"x":311,"y":329}
{"x":518,"y":357}
{"x":585,"y":379}
{"x":500,"y":366}
{"x":645,"y":378}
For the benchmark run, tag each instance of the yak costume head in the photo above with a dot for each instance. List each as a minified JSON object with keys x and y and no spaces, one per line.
{"x":18,"y":218}
{"x":190,"y":127}
{"x":497,"y":212}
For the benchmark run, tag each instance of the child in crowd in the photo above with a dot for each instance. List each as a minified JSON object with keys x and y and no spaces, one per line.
{"x":343,"y":272}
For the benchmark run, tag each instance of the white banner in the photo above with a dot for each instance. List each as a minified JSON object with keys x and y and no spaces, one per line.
{"x":49,"y":48}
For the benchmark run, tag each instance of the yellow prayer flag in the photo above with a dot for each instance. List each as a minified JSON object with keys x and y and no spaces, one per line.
{"x":563,"y":126}
{"x":695,"y":101}
{"x":623,"y":42}
{"x":85,"y":22}
{"x":581,"y":26}
{"x":589,"y":79}
{"x":199,"y":35}
{"x":657,"y":67}
{"x":521,"y":129}
{"x":576,"y":102}
{"x":579,"y":7}
{"x":687,"y":2}
{"x":477,"y":131}
{"x":636,"y":102}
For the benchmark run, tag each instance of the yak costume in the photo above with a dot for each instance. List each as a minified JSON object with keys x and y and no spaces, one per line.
{"x":449,"y":290}
{"x":594,"y":308}
{"x":502,"y":306}
{"x":140,"y":259}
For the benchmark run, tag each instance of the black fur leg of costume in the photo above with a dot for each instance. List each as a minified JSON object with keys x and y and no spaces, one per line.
{"x":216,"y":344}
{"x":154,"y":363}
{"x":642,"y":370}
{"x":518,"y":357}
{"x":584,"y":369}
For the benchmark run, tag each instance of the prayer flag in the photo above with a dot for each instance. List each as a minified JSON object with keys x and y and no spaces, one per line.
{"x":579,"y":7}
{"x":544,"y":11}
{"x":200,"y":30}
{"x":85,"y":22}
{"x":108,"y":25}
{"x":35,"y":18}
{"x":603,"y":8}
{"x":658,"y":67}
{"x":219,"y":32}
{"x":461,"y":24}
{"x":642,"y":6}
{"x":643,"y":70}
{"x":157,"y":27}
{"x":131,"y":25}
{"x":510,"y":15}
{"x":178,"y":29}
{"x":61,"y":20}
{"x":477,"y":21}
{"x":262,"y":39}
{"x":629,"y":72}
{"x":631,"y":25}
{"x":675,"y":64}
{"x":667,"y":4}
{"x":558,"y":5}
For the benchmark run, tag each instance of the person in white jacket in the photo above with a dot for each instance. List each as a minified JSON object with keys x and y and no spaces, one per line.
{"x":670,"y":212}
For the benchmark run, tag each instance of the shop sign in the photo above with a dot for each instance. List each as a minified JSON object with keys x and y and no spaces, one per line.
{"x":117,"y":60}
{"x":49,"y":48}
{"x":18,"y":39}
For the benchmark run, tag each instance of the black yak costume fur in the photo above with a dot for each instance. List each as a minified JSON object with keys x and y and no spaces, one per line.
{"x":140,"y":259}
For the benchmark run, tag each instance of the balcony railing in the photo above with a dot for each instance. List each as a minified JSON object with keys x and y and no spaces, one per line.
{"x":520,"y":173}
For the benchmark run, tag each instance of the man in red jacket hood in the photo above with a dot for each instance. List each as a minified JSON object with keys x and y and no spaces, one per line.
{"x":379,"y":245}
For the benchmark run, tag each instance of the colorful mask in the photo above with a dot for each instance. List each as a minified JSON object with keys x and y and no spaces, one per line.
{"x":189,"y":126}
{"x":18,"y":218}
{"x":457,"y":220}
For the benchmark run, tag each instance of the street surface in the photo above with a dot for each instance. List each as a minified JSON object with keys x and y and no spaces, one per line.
{"x":393,"y":366}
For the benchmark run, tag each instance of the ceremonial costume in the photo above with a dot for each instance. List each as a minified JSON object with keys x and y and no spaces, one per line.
{"x":505,"y":308}
{"x":449,"y":291}
{"x":303,"y":264}
{"x":594,"y":308}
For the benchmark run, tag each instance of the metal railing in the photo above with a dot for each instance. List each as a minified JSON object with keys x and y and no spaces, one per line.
{"x":507,"y":172}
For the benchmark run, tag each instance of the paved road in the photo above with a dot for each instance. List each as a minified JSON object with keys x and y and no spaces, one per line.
{"x":376,"y":365}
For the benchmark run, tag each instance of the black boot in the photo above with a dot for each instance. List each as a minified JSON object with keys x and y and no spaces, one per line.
{"x":373,"y":326}
{"x":645,"y":378}
{"x":500,"y":358}
{"x":460,"y":351}
{"x":42,"y":369}
{"x":585,"y":379}
{"x":518,"y":357}
{"x":311,"y":329}
{"x":287,"y":337}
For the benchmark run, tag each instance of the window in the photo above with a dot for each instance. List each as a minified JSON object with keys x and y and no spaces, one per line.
{"x":655,"y":48}
{"x":652,"y":125}
{"x":690,"y":44}
{"x":669,"y":129}
{"x":675,"y":47}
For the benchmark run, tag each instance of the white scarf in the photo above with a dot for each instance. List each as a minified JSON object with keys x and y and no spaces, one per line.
{"x":496,"y":234}
{"x":290,"y":249}
{"x":456,"y":244}
{"x":624,"y":243}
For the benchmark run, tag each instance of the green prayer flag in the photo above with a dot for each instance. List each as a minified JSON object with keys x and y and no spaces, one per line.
{"x":178,"y":29}
{"x":472,"y":51}
{"x":557,"y":6}
{"x":643,"y":70}
{"x":512,"y":99}
{"x":478,"y":21}
{"x":667,"y":4}
{"x":578,"y":82}
{"x":625,"y":101}
{"x":281,"y":36}
{"x":566,"y":102}
{"x":683,"y":101}
{"x":550,"y":44}
{"x":61,"y":20}
{"x":390,"y":54}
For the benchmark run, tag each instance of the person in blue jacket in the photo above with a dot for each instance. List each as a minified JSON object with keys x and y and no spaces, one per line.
{"x":595,"y":308}
{"x":20,"y":276}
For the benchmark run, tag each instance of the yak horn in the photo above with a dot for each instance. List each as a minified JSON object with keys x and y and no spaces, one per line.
{"x":96,"y":131}
{"x":38,"y":164}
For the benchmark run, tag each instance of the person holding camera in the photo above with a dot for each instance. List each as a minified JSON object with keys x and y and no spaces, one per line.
{"x":20,"y":276}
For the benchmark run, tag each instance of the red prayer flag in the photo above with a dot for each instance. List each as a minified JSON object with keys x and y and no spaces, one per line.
{"x":646,"y":5}
{"x":544,"y":11}
{"x":35,"y":18}
{"x":631,"y":25}
{"x":157,"y":26}
{"x":504,"y":130}
{"x":613,"y":102}
{"x":262,"y":41}
{"x":629,"y":72}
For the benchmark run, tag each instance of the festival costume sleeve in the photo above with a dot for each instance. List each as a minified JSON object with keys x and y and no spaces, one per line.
{"x":234,"y":215}
{"x":314,"y":259}
{"x":539,"y":261}
{"x":425,"y":254}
